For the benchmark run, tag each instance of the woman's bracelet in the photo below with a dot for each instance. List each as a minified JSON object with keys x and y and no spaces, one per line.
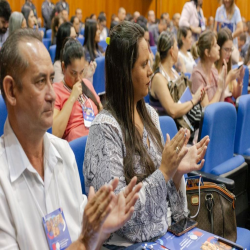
{"x":192,"y":102}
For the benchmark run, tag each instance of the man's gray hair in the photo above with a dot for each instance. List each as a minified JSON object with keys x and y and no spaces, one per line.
{"x":12,"y":62}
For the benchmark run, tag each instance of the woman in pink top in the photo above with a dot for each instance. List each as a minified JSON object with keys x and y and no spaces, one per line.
{"x":76,"y":102}
{"x":205,"y":74}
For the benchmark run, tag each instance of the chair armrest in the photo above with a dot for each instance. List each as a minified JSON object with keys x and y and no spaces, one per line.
{"x":215,"y":178}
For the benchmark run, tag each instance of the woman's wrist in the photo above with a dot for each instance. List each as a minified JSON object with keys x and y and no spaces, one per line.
{"x":192,"y":102}
{"x":166,"y":177}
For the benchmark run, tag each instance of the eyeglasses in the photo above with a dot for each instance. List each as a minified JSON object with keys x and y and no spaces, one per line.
{"x":228,"y":50}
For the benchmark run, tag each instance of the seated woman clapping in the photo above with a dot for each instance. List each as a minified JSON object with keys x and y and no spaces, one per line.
{"x":165,"y":76}
{"x":76,"y":102}
{"x":125,"y":140}
{"x":205,"y":74}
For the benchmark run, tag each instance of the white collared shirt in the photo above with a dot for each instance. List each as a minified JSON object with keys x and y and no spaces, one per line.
{"x":20,"y":220}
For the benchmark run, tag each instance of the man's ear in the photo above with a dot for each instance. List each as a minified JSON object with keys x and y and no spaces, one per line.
{"x":10,"y":90}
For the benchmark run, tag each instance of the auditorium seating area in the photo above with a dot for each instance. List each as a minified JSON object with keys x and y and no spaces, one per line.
{"x":227,"y":123}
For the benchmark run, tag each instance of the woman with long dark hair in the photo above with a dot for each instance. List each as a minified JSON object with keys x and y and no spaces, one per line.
{"x":92,"y":38}
{"x":234,"y":77}
{"x":125,"y":140}
{"x":76,"y":100}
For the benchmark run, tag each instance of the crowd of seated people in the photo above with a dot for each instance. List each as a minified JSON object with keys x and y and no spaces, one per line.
{"x":134,"y":180}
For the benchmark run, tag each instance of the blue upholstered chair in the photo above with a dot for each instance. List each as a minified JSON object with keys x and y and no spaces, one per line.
{"x":48,"y":34}
{"x":242,"y":135}
{"x":42,"y":29}
{"x":52,"y":52}
{"x":168,"y":126}
{"x":245,"y":79}
{"x":78,"y":147}
{"x":219,"y":122}
{"x":146,"y":98}
{"x":99,"y":76}
{"x":81,"y":40}
{"x":47,"y":43}
{"x":3,"y":114}
{"x":82,"y":31}
{"x":188,"y":75}
{"x":153,"y":49}
{"x":103,"y":44}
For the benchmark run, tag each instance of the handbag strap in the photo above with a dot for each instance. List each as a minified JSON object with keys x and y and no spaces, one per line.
{"x":192,"y":217}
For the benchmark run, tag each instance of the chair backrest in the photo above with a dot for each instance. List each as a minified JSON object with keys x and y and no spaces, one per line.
{"x":99,"y":76}
{"x":47,"y":43}
{"x":245,"y":81}
{"x":82,"y":31}
{"x":3,"y":114}
{"x":242,"y":135}
{"x":81,"y":40}
{"x":103,"y":44}
{"x":146,"y":98}
{"x":48,"y":34}
{"x":78,"y":147}
{"x":188,"y":75}
{"x":219,"y":122}
{"x":168,"y":126}
{"x":153,"y":49}
{"x":52,"y":52}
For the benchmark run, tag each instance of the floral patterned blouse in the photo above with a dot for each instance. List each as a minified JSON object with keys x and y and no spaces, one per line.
{"x":159,"y":202}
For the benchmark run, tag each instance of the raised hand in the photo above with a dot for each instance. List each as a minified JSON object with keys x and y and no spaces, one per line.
{"x":95,"y":213}
{"x":173,"y":154}
{"x":222,"y":77}
{"x":76,"y":91}
{"x":194,"y":155}
{"x":199,"y":95}
{"x":122,"y":207}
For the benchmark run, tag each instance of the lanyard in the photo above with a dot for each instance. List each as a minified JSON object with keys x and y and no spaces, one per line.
{"x":34,"y":198}
{"x":80,"y":98}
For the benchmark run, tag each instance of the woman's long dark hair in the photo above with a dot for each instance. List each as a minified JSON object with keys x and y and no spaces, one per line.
{"x":121,"y":56}
{"x":63,"y":32}
{"x":223,"y":36}
{"x":89,"y":35}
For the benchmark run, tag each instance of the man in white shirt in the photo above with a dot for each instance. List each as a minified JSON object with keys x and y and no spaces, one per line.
{"x":38,"y":171}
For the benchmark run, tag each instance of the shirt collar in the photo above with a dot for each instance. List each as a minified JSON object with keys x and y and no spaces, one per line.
{"x":18,"y":161}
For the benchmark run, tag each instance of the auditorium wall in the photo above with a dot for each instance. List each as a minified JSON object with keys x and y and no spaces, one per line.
{"x":111,"y":6}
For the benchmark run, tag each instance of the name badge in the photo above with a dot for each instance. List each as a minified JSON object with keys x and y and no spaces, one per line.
{"x":88,"y":116}
{"x":56,"y":230}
